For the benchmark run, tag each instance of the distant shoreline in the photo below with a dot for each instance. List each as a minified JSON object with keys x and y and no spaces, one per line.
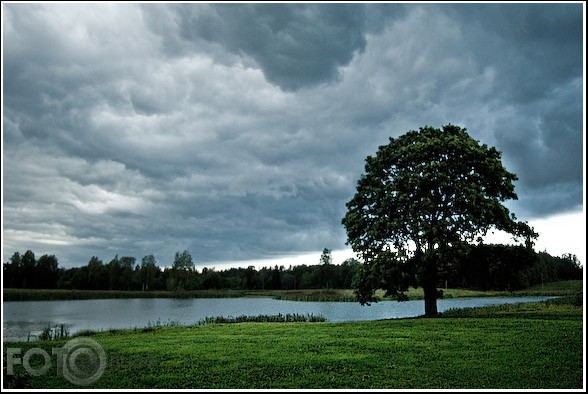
{"x":561,"y":288}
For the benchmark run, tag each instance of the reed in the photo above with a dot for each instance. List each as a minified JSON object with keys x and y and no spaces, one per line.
{"x":279,"y":318}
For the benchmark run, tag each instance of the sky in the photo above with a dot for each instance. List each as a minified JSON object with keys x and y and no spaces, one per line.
{"x":238,"y":131}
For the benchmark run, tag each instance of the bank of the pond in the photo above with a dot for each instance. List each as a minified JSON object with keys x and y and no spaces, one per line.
{"x":561,"y":288}
{"x":62,"y":294}
{"x":25,"y":320}
{"x":534,"y":346}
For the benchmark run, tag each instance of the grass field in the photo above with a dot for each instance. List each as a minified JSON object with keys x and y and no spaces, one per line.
{"x":346,"y":295}
{"x":530,"y":346}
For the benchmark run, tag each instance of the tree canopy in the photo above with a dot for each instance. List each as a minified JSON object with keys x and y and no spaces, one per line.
{"x":423,"y":198}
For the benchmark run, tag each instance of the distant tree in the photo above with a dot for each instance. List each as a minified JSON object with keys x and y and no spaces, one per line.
{"x":127,"y":265}
{"x":264,"y":278}
{"x":183,"y":261}
{"x":349,"y":272}
{"x":423,"y":196}
{"x":250,"y":274}
{"x":79,"y":278}
{"x":114,"y":271}
{"x":148,"y":272}
{"x":307,"y":280}
{"x":326,"y":257}
{"x":288,"y":280}
{"x":495,"y":267}
{"x":28,"y":264}
{"x":12,"y":272}
{"x":326,"y":274}
{"x":569,"y":267}
{"x":182,"y":272}
{"x":47,"y":273}
{"x":97,"y":274}
{"x":210,"y":279}
{"x":276,"y":279}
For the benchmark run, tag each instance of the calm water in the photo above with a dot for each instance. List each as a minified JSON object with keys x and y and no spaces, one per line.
{"x":24,"y":317}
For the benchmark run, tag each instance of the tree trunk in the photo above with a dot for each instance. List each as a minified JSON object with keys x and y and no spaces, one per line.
{"x":431,"y":294}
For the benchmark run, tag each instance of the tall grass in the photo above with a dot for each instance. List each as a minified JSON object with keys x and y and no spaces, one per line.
{"x":320,"y":295}
{"x":55,"y":333}
{"x":279,"y":318}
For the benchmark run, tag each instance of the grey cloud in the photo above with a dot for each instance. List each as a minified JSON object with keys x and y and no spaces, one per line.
{"x":544,"y":145}
{"x":295,"y":45}
{"x":523,"y":95}
{"x":533,"y":47}
{"x":239,"y":131}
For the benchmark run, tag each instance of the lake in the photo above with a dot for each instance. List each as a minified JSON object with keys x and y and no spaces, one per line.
{"x":22,"y":318}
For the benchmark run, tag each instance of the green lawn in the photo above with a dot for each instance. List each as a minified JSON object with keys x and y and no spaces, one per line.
{"x":539,"y":346}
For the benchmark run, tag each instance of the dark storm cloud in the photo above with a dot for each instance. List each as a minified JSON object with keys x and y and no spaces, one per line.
{"x":536,"y":51}
{"x":296,"y":45}
{"x":238,"y":131}
{"x":539,"y":135}
{"x":534,"y":47}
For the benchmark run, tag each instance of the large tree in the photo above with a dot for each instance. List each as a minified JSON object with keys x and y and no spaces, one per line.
{"x":424,"y":197}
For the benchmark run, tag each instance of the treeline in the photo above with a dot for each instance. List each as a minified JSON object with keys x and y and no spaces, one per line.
{"x":507,"y":267}
{"x":126,"y":273}
{"x":484,"y":267}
